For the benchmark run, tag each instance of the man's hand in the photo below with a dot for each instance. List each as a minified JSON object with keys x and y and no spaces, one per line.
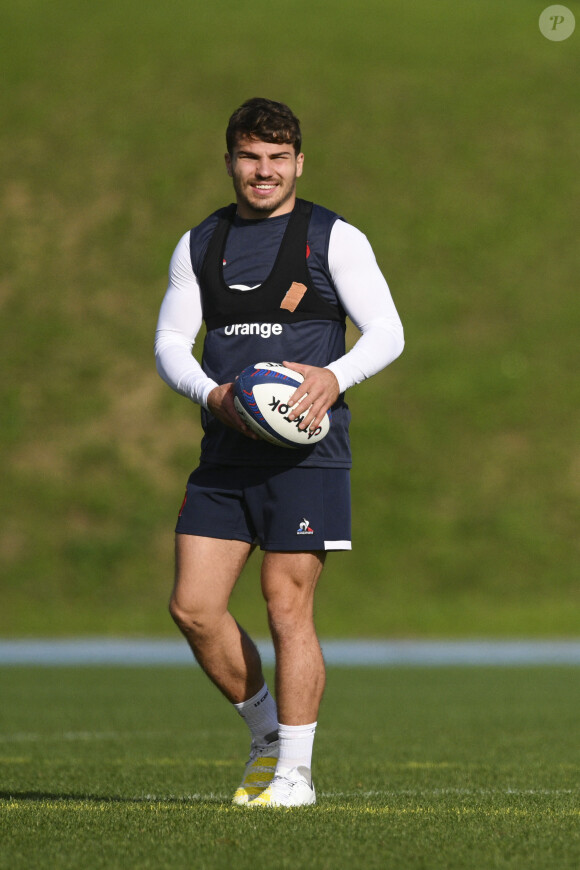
{"x":221,"y":403}
{"x":315,"y":395}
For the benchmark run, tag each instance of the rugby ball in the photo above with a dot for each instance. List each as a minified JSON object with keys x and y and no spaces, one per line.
{"x":261,"y":397}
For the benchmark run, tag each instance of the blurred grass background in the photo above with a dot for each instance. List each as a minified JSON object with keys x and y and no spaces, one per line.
{"x":449,"y":134}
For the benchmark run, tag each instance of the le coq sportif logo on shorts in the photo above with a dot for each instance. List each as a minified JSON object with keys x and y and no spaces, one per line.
{"x":304,"y":527}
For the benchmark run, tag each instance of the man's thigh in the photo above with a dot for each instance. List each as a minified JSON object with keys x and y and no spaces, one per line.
{"x":206,"y":571}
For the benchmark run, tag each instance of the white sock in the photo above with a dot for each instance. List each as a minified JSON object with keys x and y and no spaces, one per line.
{"x":296,"y":742}
{"x":260,"y":715}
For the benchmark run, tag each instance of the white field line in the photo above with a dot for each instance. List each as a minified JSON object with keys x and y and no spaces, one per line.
{"x":386,"y":795}
{"x":171,"y":801}
{"x":461,"y":792}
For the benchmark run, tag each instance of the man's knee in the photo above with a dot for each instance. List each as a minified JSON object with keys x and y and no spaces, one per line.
{"x":193,"y":617}
{"x":288,"y":587}
{"x":288,"y":609}
{"x":178,"y":613}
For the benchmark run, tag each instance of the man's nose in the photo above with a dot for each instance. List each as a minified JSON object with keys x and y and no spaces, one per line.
{"x":263,"y":167}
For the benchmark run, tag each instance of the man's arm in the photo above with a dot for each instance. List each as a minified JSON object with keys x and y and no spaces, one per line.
{"x":366,"y":298}
{"x":179,"y":322}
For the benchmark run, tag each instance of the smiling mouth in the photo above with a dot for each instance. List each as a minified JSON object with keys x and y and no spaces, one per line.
{"x":264,"y":188}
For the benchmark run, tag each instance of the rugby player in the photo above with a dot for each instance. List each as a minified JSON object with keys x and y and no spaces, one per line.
{"x":233,"y":272}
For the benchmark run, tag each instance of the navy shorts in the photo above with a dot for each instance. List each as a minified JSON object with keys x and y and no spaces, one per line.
{"x":278,"y":508}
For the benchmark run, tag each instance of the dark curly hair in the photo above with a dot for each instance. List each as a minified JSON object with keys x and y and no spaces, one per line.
{"x":265,"y":120}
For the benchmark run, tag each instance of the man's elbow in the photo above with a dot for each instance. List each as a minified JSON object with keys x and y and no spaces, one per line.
{"x":399,"y":342}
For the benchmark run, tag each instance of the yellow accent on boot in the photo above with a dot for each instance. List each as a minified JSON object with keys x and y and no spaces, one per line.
{"x":257,"y":774}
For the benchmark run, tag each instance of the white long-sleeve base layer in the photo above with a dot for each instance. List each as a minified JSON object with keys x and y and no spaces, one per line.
{"x":361,"y":288}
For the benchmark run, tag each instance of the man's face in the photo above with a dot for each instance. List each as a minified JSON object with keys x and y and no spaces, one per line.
{"x":264,"y":176}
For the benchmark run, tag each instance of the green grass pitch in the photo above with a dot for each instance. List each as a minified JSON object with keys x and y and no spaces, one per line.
{"x":414,"y":768}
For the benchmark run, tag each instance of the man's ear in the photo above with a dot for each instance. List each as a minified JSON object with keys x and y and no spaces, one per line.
{"x":228,"y":159}
{"x":299,"y":165}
